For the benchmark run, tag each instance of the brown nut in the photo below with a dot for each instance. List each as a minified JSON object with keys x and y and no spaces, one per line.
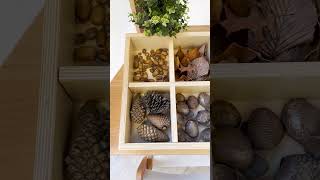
{"x":83,"y":10}
{"x":98,"y":15}
{"x":135,"y":64}
{"x":85,"y":54}
{"x":144,"y":51}
{"x":155,"y":73}
{"x":91,"y":33}
{"x":101,"y":38}
{"x":165,"y":72}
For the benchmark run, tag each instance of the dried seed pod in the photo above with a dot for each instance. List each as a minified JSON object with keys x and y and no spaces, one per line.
{"x":203,"y":117}
{"x":232,"y":148}
{"x":264,"y":129}
{"x":192,"y":129}
{"x":180,"y":97}
{"x":160,"y":121}
{"x":85,"y":54}
{"x":192,"y":54}
{"x":91,"y":33}
{"x":184,"y":137}
{"x":151,"y":134}
{"x":204,"y":100}
{"x":83,"y":10}
{"x":98,"y":15}
{"x":138,"y":111}
{"x":205,"y":135}
{"x":258,"y":168}
{"x":101,"y":38}
{"x":79,"y":39}
{"x":225,"y":114}
{"x":182,"y":108}
{"x":181,"y":121}
{"x":192,"y":102}
{"x":302,"y":121}
{"x":298,"y":167}
{"x":180,"y":53}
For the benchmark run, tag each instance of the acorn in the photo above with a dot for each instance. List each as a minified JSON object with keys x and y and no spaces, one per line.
{"x":232,"y":148}
{"x":182,"y":108}
{"x":203,"y":117}
{"x":180,"y":97}
{"x":225,"y":114}
{"x":160,"y":121}
{"x":192,"y":102}
{"x":264,"y":129}
{"x":98,"y":15}
{"x":298,"y":167}
{"x":302,"y":121}
{"x":204,"y":100}
{"x":205,"y":135}
{"x":192,"y":128}
{"x":258,"y":168}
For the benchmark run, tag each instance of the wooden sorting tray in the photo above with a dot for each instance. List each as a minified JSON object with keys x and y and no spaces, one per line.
{"x":270,"y":85}
{"x":135,"y":42}
{"x":64,"y":87}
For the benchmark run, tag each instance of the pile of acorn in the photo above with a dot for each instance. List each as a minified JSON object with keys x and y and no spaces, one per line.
{"x":193,"y":117}
{"x":238,"y":145}
{"x":92,"y":27}
{"x":151,"y":66}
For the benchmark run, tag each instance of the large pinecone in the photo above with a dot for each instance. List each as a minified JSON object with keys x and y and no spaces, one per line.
{"x":88,"y":158}
{"x":160,"y":121}
{"x":156,"y":103}
{"x":138,"y":111}
{"x":151,"y":134}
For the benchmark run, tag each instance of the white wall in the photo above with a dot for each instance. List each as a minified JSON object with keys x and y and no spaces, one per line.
{"x":15,"y":18}
{"x":119,"y":25}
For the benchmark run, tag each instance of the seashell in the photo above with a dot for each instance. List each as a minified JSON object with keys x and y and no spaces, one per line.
{"x":192,"y":128}
{"x":264,"y":129}
{"x":225,"y":114}
{"x":85,"y":54}
{"x":302,"y":121}
{"x":204,"y":100}
{"x":205,"y":135}
{"x":83,"y":9}
{"x":160,"y":121}
{"x":298,"y":167}
{"x":203,"y":117}
{"x":223,"y":172}
{"x":180,"y":97}
{"x":258,"y":168}
{"x":98,"y":15}
{"x":182,"y":108}
{"x":192,"y":102}
{"x":184,"y":137}
{"x":232,"y":148}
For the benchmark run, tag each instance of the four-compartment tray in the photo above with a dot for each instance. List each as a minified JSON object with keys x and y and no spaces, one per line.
{"x":136,"y":42}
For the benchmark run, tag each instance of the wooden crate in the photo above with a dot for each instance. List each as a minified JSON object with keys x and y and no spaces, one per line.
{"x":135,"y":42}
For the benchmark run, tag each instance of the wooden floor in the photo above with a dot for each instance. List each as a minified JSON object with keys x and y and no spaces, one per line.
{"x":19,"y":86}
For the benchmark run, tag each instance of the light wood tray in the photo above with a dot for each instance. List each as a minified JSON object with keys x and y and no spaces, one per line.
{"x":136,"y":42}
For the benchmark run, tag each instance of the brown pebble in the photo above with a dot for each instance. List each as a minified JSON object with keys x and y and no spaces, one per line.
{"x":182,"y":108}
{"x":192,"y":102}
{"x":180,"y":97}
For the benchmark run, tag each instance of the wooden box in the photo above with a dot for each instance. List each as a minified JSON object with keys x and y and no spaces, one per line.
{"x":136,"y":42}
{"x":64,"y":87}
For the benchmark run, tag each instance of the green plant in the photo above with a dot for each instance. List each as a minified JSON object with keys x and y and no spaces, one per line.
{"x":161,"y":17}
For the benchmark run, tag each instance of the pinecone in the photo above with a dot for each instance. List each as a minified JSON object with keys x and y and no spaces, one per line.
{"x":151,"y":134}
{"x":88,"y":157}
{"x":156,"y":103}
{"x":160,"y":121}
{"x":138,"y":111}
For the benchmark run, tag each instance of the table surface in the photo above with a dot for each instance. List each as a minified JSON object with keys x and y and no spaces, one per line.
{"x":115,"y":111}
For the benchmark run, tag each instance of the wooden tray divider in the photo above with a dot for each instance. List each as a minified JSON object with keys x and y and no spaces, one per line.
{"x":173,"y":114}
